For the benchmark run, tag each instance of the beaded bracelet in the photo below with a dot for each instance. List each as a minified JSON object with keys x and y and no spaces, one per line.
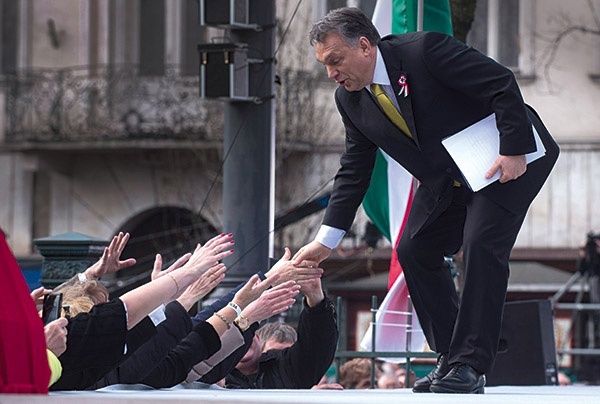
{"x":222,"y":317}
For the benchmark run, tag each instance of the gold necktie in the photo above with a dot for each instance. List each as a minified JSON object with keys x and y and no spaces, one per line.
{"x":390,"y":110}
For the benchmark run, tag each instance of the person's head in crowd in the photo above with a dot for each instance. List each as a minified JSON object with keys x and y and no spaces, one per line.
{"x":356,"y":374}
{"x":77,"y":304}
{"x":388,"y":381}
{"x":248,"y":365}
{"x":276,"y":335}
{"x":93,"y":289}
{"x":401,"y":375}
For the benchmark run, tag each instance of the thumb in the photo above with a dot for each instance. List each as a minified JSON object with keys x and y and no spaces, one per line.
{"x":287,"y":255}
{"x":490,"y":173}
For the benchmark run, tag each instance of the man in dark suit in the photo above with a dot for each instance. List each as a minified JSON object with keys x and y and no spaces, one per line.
{"x":440,"y":86}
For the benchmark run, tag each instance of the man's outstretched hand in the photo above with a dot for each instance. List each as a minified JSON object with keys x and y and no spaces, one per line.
{"x":313,"y":251}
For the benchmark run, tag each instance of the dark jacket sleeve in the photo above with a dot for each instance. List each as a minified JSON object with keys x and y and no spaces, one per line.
{"x":198,"y":345}
{"x":168,"y":334}
{"x":95,"y":344}
{"x":304,"y":363}
{"x":228,"y":364}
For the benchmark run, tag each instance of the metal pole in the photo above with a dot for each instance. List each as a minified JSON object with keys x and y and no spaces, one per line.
{"x":249,"y":140}
{"x":373,"y":336}
{"x":420,"y":14}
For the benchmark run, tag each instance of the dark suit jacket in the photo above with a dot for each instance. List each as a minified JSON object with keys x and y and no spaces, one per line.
{"x":451,"y":86}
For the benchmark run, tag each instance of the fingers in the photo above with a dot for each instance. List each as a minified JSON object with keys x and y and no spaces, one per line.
{"x":123,"y":241}
{"x":127,"y":263}
{"x":180,"y":262}
{"x":40,"y":292}
{"x":492,"y":171}
{"x":156,"y":269}
{"x":60,"y":322}
{"x":298,"y":256}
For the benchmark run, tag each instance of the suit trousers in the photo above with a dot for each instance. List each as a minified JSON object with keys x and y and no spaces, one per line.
{"x":467,"y":329}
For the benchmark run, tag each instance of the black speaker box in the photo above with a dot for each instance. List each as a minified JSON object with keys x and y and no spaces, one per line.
{"x":526,"y":351}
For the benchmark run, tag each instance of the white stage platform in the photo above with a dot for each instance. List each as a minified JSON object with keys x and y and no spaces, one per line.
{"x":496,"y":395}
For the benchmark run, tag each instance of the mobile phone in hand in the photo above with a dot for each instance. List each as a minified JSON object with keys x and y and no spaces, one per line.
{"x":51,"y":308}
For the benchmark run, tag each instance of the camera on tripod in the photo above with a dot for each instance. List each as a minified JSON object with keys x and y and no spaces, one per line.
{"x":589,"y":262}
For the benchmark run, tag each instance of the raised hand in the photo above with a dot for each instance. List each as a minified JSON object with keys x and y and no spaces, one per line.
{"x":157,"y":271}
{"x":206,"y":283}
{"x":251,"y":290}
{"x":312,"y":290}
{"x":272,"y":302}
{"x":287,"y":271}
{"x":208,"y":255}
{"x":313,"y":251}
{"x":111,"y":262}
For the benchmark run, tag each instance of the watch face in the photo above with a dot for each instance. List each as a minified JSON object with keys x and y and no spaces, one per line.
{"x":242,"y":322}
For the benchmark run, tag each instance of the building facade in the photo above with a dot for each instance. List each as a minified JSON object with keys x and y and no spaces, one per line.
{"x":102,"y":128}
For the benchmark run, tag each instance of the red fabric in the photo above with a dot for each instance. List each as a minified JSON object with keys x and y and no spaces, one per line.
{"x":395,"y":267}
{"x":23,"y":359}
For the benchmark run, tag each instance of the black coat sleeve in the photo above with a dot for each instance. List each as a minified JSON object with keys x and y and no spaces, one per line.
{"x":198,"y":345}
{"x":305,"y":362}
{"x":168,"y":334}
{"x":228,"y":364}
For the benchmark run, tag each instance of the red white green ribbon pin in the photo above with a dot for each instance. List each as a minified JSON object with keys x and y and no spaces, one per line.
{"x":402,"y":81}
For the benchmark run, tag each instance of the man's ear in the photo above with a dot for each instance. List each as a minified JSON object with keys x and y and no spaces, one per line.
{"x":364,"y":44}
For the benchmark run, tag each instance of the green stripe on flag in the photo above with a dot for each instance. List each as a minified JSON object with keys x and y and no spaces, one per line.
{"x":436,"y":16}
{"x":403,"y":19}
{"x":376,"y":202}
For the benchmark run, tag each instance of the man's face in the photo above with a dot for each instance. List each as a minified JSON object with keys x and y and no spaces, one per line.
{"x":249,"y":363}
{"x":272,"y":344}
{"x":350,"y":67}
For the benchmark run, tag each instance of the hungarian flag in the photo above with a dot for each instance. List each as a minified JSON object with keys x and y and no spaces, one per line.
{"x":388,"y":200}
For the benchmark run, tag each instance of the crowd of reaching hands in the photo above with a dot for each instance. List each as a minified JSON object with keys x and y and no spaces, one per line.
{"x":146,"y":336}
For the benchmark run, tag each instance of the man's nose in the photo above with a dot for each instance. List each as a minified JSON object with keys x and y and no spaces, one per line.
{"x":331,"y":72}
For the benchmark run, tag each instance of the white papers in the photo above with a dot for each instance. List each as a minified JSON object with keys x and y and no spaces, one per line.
{"x":475,"y":149}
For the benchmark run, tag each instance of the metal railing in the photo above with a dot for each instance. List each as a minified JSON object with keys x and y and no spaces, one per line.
{"x":373,"y":354}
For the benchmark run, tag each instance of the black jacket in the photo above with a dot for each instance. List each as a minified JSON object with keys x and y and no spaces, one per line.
{"x":451,"y":86}
{"x":141,"y":363}
{"x":302,"y":365}
{"x":96,"y":344}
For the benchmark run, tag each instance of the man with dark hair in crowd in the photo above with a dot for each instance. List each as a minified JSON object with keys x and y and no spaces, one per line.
{"x":301,"y":365}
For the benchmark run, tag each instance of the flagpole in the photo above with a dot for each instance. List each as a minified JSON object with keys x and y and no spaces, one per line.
{"x":420,"y":14}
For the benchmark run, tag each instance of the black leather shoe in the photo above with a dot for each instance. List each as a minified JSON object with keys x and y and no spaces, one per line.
{"x":441,"y":368}
{"x":462,"y":378}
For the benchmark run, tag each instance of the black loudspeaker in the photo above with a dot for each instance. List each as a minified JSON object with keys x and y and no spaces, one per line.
{"x":526,"y":351}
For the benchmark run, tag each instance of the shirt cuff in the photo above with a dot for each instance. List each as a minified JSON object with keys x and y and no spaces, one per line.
{"x":158,"y":315}
{"x":329,"y":236}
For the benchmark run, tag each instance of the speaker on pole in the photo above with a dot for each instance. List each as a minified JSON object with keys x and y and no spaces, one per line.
{"x":527,"y":350}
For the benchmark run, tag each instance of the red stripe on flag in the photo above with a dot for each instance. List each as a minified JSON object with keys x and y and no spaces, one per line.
{"x":395,"y":267}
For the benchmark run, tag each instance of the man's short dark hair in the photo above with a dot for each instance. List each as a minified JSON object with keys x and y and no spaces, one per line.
{"x":280,"y":332}
{"x":348,"y":22}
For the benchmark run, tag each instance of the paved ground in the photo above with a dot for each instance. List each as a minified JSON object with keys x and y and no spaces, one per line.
{"x":496,"y":395}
